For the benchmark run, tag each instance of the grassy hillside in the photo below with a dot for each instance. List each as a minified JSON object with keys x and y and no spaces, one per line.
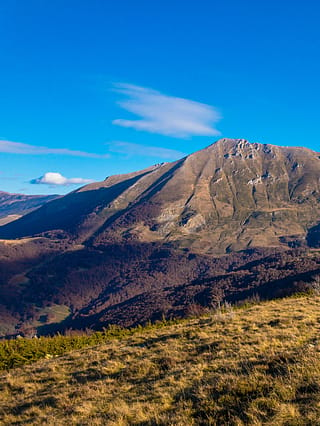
{"x":258,"y":365}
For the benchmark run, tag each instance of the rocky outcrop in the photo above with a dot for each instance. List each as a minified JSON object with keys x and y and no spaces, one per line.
{"x":227,"y":197}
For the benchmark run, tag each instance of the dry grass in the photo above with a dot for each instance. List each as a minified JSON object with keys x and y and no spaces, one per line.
{"x":19,"y":241}
{"x":254,"y":366}
{"x":9,"y":218}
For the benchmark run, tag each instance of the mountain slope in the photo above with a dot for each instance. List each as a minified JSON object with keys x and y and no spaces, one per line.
{"x":234,"y":219}
{"x":227,"y":197}
{"x":258,"y":365}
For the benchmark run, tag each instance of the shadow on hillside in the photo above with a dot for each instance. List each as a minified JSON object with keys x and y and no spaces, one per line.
{"x":55,"y":327}
{"x":65,"y":213}
{"x":313,"y":236}
{"x":145,"y":196}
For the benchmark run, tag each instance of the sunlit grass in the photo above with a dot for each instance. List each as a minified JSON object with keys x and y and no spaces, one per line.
{"x":254,"y":366}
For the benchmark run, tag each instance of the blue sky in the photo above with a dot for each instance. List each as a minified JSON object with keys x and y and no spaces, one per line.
{"x":93,"y":88}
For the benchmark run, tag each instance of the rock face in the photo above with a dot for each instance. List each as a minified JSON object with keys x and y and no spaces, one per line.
{"x":230,"y":221}
{"x":228,"y":197}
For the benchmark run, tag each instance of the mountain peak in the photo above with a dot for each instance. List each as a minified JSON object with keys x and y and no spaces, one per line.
{"x":233,"y":146}
{"x":114,"y":244}
{"x":227,"y":197}
{"x":231,"y":141}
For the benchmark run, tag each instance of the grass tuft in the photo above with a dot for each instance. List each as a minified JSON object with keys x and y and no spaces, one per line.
{"x":251,"y":366}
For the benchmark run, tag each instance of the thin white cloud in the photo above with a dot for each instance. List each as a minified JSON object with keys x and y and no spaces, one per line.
{"x":23,"y":148}
{"x":52,"y":178}
{"x":166,"y":115}
{"x":131,"y":149}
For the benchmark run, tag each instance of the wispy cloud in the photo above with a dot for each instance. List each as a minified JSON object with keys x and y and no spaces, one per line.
{"x":131,"y":149}
{"x":52,"y":178}
{"x":23,"y":148}
{"x":166,"y":115}
{"x":6,"y":177}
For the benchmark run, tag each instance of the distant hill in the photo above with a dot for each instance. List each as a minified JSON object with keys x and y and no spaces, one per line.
{"x":234,"y":219}
{"x":13,"y":206}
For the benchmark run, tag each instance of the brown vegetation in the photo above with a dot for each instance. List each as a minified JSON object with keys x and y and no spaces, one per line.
{"x":129,"y":285}
{"x":258,"y":365}
{"x":236,"y":218}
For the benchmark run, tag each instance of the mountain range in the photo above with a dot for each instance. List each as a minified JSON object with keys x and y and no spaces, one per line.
{"x":13,"y":206}
{"x":231,"y":221}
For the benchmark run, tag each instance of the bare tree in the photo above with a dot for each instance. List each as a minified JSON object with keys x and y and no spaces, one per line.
{"x":315,"y":285}
{"x":217,"y":296}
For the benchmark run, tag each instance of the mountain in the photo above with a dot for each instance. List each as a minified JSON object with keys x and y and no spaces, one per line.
{"x":13,"y":206}
{"x":230,"y":221}
{"x":227,"y":197}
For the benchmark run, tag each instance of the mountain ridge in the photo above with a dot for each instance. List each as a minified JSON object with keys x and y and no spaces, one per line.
{"x":154,"y":242}
{"x":13,"y":206}
{"x":229,"y":184}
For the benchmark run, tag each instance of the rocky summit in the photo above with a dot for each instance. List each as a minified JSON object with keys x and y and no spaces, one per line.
{"x":154,"y":242}
{"x":227,"y":197}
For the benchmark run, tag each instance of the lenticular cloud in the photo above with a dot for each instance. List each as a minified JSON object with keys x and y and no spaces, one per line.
{"x":166,"y":115}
